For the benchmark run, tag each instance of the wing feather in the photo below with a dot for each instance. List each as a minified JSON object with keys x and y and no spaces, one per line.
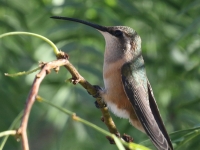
{"x":139,"y":92}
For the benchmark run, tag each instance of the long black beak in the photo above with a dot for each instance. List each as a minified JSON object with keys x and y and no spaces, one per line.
{"x":96,"y":26}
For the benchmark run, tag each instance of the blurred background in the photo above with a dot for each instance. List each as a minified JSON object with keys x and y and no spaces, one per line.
{"x":170,"y":33}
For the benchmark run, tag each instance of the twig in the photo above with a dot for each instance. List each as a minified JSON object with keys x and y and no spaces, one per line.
{"x":12,"y":126}
{"x":22,"y":73}
{"x":77,"y":78}
{"x":32,"y":95}
{"x":9,"y":132}
{"x":114,"y":138}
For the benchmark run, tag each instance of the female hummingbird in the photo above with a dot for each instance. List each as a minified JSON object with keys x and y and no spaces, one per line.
{"x":127,"y":91}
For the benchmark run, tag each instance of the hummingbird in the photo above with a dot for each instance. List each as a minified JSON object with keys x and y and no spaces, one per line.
{"x":128,"y":92}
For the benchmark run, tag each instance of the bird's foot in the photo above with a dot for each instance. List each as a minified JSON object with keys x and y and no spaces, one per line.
{"x":99,"y":103}
{"x":99,"y":91}
{"x":96,"y":103}
{"x":127,"y":138}
{"x":111,"y":140}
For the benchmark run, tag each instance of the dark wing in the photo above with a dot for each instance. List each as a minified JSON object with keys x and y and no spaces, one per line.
{"x":139,"y":92}
{"x":156,"y":114}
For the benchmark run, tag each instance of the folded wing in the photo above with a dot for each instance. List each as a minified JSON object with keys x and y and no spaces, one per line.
{"x":139,"y":92}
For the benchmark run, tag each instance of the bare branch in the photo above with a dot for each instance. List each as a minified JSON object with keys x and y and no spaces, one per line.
{"x":32,"y":95}
{"x":76,"y":78}
{"x":9,"y":132}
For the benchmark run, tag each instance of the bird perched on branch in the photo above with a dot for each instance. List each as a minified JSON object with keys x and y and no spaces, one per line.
{"x":127,"y":91}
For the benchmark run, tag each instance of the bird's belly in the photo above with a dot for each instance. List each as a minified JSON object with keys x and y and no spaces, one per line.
{"x":114,"y":95}
{"x":122,"y":113}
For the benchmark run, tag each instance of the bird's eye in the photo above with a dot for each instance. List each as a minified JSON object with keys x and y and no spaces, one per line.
{"x":118,"y":33}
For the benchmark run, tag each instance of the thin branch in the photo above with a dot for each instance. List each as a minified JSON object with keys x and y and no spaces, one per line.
{"x":9,"y":132}
{"x":12,"y":126}
{"x":32,"y":95}
{"x":22,"y":73}
{"x":56,"y":51}
{"x":117,"y":141}
{"x":77,"y":78}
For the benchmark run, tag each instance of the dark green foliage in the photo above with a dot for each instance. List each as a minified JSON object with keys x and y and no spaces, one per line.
{"x":170,"y":32}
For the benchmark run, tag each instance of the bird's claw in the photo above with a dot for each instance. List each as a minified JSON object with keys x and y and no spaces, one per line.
{"x":98,"y":96}
{"x":99,"y":106}
{"x":127,"y":138}
{"x":99,"y":90}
